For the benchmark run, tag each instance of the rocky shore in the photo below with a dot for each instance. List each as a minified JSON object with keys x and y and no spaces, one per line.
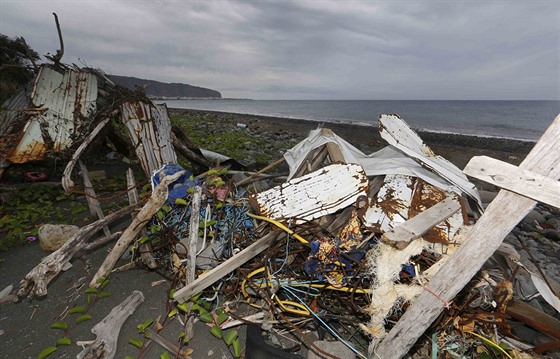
{"x":279,"y":134}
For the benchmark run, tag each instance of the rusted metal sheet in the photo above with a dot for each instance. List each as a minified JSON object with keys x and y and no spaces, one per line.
{"x":59,"y":105}
{"x":150,"y":130}
{"x":313,"y":195}
{"x":390,"y":207}
{"x":403,"y":197}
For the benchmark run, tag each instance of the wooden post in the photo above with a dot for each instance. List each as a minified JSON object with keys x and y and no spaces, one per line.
{"x":501,"y":216}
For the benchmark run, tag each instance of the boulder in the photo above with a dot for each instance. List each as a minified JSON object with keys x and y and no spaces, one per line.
{"x":53,"y":236}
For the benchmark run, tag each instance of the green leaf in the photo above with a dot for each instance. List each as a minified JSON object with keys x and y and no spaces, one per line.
{"x":166,"y":208}
{"x":216,"y":331}
{"x":165,"y":355}
{"x":89,"y":298}
{"x":63,"y":341}
{"x":103,"y":295}
{"x":207,"y":317}
{"x":183,"y":306}
{"x":180,"y":201}
{"x":83,"y":318}
{"x":231,"y":336}
{"x":159,"y":215}
{"x":172,"y":313}
{"x":172,"y":292}
{"x":46,"y":352}
{"x":91,"y":290}
{"x":77,"y":309}
{"x":143,"y":239}
{"x":128,"y":357}
{"x":142,"y":327}
{"x":104,"y":283}
{"x":236,"y":345}
{"x":59,"y":325}
{"x":136,"y":342}
{"x":222,"y":318}
{"x":213,"y":171}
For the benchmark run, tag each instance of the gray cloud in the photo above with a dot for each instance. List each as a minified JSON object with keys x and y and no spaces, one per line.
{"x":311,"y":49}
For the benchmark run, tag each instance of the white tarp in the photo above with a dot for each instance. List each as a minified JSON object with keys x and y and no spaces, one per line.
{"x":396,"y":159}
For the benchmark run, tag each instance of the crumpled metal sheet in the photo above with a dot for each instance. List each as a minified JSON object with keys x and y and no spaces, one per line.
{"x":311,"y":196}
{"x":58,"y":106}
{"x":150,"y":131}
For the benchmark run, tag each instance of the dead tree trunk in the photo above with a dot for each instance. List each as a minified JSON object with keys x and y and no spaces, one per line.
{"x":159,"y":196}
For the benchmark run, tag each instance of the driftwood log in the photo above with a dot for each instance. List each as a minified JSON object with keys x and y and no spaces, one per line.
{"x":158,"y":198}
{"x":36,"y":281}
{"x":107,"y":330}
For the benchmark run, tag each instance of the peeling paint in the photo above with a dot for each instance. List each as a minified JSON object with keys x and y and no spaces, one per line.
{"x":55,"y":110}
{"x":311,"y":196}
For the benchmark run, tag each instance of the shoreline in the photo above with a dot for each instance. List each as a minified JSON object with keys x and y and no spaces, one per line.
{"x":457,"y":148}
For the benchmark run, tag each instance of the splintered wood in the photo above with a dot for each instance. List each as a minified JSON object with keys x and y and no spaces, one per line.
{"x":314,"y":195}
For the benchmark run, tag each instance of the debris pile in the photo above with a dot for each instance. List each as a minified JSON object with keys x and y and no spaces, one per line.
{"x":341,"y":249}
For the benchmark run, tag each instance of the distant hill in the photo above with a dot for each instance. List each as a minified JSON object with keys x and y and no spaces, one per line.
{"x":161,"y":89}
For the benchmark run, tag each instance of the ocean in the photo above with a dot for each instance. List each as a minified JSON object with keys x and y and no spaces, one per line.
{"x":524,"y":120}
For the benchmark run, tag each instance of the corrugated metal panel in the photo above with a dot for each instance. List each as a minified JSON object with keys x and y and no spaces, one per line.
{"x":313,"y":195}
{"x":60,"y":102}
{"x":150,"y":130}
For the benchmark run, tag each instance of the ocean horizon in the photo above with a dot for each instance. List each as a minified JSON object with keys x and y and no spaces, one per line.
{"x":515,"y":119}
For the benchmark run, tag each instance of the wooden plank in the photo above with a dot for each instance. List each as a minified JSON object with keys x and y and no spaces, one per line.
{"x":501,"y":216}
{"x":507,"y":176}
{"x":415,"y":227}
{"x":313,"y":195}
{"x":224,"y":268}
{"x":93,"y":203}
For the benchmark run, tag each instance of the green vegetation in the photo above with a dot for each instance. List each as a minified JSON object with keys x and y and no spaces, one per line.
{"x":223,"y":138}
{"x":17,"y":60}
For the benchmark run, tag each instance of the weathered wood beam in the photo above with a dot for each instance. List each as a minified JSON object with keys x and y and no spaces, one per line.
{"x":415,"y":227}
{"x":224,"y":268}
{"x":501,"y":216}
{"x":191,"y":249}
{"x":507,"y":176}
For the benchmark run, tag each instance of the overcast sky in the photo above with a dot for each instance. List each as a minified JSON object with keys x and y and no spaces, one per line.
{"x":310,"y":49}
